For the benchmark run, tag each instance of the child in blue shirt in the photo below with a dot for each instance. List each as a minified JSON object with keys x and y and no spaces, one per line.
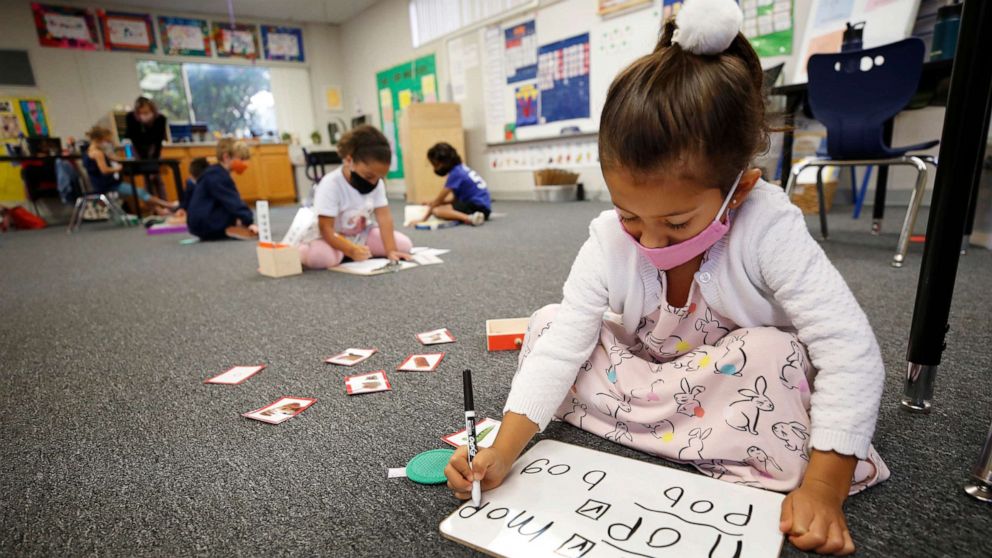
{"x":465,"y":196}
{"x":215,"y":209}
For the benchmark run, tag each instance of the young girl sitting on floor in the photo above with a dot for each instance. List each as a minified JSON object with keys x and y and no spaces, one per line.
{"x":465,"y":196}
{"x":701,"y":322}
{"x":353,"y":215}
{"x":105,"y":176}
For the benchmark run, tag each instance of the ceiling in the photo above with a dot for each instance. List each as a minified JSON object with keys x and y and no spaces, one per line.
{"x":323,"y":11}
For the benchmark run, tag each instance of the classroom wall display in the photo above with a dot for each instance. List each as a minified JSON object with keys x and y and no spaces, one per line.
{"x":282,"y":43}
{"x":564,"y":500}
{"x":236,"y":40}
{"x":768,"y":26}
{"x":11,"y":128}
{"x":563,"y":79}
{"x":527,"y":104}
{"x":574,"y":154}
{"x":886,"y":21}
{"x":612,"y":6}
{"x":65,"y":27}
{"x":127,"y":31}
{"x":520,"y":51}
{"x":183,"y":36}
{"x":33,"y":115}
{"x":400,"y":86}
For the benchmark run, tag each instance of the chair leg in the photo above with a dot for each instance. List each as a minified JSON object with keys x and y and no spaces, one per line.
{"x":793,"y":177}
{"x":114,"y":209}
{"x":854,"y":189}
{"x":822,"y":198}
{"x":77,"y":214}
{"x":909,"y":223}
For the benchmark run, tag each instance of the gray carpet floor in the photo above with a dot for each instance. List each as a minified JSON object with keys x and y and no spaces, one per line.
{"x":112,"y":445}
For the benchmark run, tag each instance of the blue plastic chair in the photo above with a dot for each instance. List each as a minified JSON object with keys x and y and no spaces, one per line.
{"x":853,"y":94}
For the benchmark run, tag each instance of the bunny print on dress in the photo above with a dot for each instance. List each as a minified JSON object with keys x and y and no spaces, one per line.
{"x":734,"y":360}
{"x":688,"y":404}
{"x":714,"y":468}
{"x":693,"y":452}
{"x":743,"y":414}
{"x":663,"y":430}
{"x":793,"y":374}
{"x":795,"y":436}
{"x":618,"y":354}
{"x":647,"y":393}
{"x":619,"y":433}
{"x":757,"y":458}
{"x":691,"y":362}
{"x":577,"y":413}
{"x":711,"y":327}
{"x":611,"y":404}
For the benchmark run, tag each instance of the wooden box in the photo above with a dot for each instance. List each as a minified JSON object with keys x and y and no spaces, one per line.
{"x":506,"y":334}
{"x":278,"y":260}
{"x":421,"y":126}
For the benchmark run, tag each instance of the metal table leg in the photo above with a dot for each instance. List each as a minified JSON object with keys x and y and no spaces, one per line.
{"x":980,"y":484}
{"x":962,"y":146}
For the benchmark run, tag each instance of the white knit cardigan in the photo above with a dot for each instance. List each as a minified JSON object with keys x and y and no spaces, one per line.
{"x":767,"y":271}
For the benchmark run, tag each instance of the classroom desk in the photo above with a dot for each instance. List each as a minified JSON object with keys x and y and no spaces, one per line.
{"x":133,"y":167}
{"x":934,"y":73}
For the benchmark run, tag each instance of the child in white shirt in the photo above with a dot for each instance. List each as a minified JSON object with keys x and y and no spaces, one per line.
{"x":353,"y":216}
{"x":700,"y":321}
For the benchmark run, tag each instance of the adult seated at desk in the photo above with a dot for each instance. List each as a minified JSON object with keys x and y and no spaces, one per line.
{"x":215,"y":209}
{"x":105,"y":174}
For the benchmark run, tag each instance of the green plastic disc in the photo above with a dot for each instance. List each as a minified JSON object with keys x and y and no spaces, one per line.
{"x":428,"y":467}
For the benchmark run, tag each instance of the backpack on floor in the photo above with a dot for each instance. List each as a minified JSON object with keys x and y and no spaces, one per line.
{"x":24,"y":219}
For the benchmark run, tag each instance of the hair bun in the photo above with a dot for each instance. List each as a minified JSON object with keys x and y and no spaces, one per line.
{"x":707,"y":26}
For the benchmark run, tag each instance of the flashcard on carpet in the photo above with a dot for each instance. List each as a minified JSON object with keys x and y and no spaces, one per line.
{"x":236,"y":375}
{"x":485,"y":434}
{"x":421,"y":363}
{"x":281,"y":409}
{"x":436,"y":337}
{"x":367,"y":383}
{"x":351,"y":357}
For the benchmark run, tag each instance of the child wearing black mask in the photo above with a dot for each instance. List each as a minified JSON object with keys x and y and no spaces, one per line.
{"x":353,"y":215}
{"x":465,"y":196}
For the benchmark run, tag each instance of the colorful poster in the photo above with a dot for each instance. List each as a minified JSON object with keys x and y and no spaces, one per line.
{"x":520,"y":52}
{"x":527,"y":98}
{"x":400,"y":86}
{"x":183,"y":36}
{"x":33,"y":113}
{"x":240,"y":39}
{"x":282,"y":43}
{"x":768,"y":26}
{"x":333,"y":100}
{"x":124,"y":31}
{"x":65,"y":27}
{"x":563,"y":79}
{"x":613,"y":6}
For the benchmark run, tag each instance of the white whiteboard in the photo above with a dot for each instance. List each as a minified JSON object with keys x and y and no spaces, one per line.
{"x":886,"y":21}
{"x":563,"y":500}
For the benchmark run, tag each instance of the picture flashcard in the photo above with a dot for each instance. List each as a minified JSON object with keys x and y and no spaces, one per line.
{"x":351,"y":357}
{"x":235,"y":375}
{"x":421,"y":363}
{"x":281,"y":409}
{"x":367,"y":383}
{"x":485,"y":433}
{"x":436,"y":337}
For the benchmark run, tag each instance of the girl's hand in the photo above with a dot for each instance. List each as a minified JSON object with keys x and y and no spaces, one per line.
{"x":359,"y":253}
{"x":396,"y":255}
{"x":813,"y":519}
{"x":489,"y":466}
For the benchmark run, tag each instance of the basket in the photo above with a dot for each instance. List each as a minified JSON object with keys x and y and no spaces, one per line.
{"x":554,"y":177}
{"x":804,"y":196}
{"x":556,"y":193}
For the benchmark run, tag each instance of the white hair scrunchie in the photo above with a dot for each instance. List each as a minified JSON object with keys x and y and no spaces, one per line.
{"x":707,"y":26}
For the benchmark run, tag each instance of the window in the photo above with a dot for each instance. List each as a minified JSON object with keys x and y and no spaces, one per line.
{"x":229,"y":99}
{"x":432,"y":19}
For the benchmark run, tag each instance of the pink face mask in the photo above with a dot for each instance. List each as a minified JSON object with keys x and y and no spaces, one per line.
{"x":674,"y":255}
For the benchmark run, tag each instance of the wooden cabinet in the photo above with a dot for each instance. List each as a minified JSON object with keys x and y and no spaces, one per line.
{"x":269,"y":175}
{"x":421,"y":126}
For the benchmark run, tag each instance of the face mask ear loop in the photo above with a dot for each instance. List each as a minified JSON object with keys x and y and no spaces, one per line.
{"x":729,"y":197}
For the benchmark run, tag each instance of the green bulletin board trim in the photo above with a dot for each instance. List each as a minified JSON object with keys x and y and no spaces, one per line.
{"x":411,"y":82}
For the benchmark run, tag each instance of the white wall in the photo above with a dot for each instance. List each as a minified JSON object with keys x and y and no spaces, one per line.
{"x":380,"y":37}
{"x":80,"y":87}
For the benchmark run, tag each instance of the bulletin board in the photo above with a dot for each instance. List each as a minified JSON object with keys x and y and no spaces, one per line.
{"x":578,"y":53}
{"x":18,"y":115}
{"x":411,"y":82}
{"x":886,"y":21}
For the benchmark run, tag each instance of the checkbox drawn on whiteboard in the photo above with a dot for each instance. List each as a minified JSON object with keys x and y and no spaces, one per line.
{"x":593,"y":509}
{"x":576,"y":546}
